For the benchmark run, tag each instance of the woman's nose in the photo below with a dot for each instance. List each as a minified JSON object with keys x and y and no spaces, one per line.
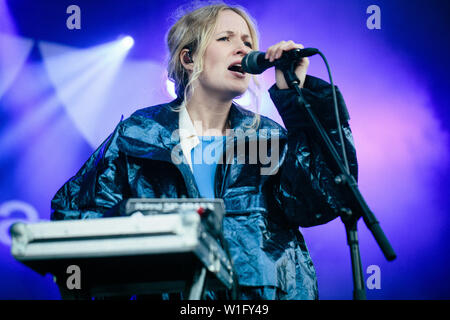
{"x":242,"y":49}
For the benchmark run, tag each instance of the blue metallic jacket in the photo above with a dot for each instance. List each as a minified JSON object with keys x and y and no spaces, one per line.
{"x":263,"y":212}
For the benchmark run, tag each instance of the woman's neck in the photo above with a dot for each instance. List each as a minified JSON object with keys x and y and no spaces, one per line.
{"x":208,"y":115}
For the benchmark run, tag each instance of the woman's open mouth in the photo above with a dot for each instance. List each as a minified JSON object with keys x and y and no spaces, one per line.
{"x":236,"y":70}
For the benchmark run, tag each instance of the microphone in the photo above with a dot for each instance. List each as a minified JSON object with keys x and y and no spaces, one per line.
{"x":256,"y":63}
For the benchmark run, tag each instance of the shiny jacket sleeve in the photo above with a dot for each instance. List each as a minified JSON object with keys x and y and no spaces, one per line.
{"x":305,"y":190}
{"x":96,"y":187}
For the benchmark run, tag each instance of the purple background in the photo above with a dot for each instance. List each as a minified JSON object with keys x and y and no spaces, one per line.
{"x":60,"y":96}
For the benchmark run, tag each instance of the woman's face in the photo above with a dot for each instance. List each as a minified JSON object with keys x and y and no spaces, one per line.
{"x":231,"y":41}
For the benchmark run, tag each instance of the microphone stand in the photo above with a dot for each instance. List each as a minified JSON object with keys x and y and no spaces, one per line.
{"x":355,"y":205}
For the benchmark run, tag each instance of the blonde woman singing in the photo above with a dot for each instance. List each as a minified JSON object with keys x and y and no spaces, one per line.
{"x":264,"y":208}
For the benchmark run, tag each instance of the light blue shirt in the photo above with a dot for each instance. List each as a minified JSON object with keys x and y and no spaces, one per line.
{"x":204,"y":157}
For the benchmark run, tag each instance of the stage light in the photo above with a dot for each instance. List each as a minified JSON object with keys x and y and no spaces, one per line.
{"x":98,"y":85}
{"x":127,"y":42}
{"x":83,"y":79}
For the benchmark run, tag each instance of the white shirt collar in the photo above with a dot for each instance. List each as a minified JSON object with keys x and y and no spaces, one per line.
{"x":188,"y":136}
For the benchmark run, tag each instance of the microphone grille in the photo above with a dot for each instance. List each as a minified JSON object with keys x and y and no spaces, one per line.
{"x":250,"y":63}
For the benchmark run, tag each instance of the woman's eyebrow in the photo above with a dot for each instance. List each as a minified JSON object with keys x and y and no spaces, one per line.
{"x":231,"y":33}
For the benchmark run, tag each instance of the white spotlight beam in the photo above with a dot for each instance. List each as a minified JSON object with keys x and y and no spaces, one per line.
{"x":82,"y":78}
{"x":13,"y":54}
{"x":96,"y":88}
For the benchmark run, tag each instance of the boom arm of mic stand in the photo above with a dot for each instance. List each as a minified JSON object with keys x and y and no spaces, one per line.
{"x":356,"y":202}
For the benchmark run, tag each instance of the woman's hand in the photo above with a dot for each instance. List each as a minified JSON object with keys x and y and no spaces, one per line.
{"x":274,"y":52}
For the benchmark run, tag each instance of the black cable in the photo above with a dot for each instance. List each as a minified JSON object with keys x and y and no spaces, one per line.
{"x":336,"y":112}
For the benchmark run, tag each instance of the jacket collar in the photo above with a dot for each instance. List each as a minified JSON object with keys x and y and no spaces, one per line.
{"x":153,"y":131}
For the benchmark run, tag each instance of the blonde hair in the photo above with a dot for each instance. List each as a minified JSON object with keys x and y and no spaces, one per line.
{"x":193,"y":30}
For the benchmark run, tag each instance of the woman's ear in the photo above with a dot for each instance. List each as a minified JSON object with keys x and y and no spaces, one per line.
{"x":186,"y":59}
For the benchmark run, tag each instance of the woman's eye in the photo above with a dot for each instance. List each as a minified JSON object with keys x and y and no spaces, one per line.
{"x":248,"y":44}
